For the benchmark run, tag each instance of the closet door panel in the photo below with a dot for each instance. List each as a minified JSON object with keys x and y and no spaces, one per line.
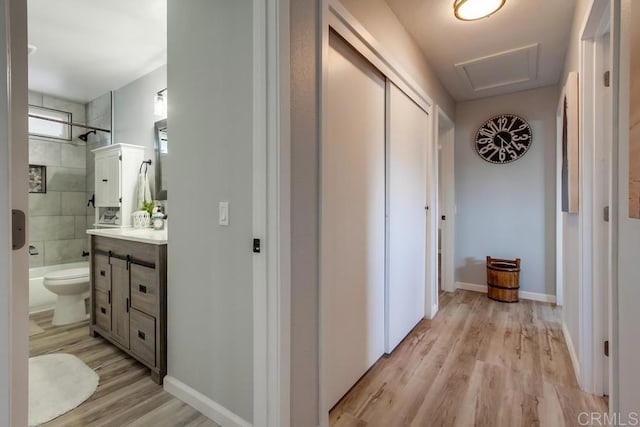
{"x":352,"y":218}
{"x":407,"y":197}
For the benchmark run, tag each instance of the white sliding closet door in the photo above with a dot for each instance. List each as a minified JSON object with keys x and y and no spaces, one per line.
{"x":407,"y":197}
{"x":352,"y":219}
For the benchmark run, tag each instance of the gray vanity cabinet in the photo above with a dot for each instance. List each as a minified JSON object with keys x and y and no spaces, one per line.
{"x":128,"y":304}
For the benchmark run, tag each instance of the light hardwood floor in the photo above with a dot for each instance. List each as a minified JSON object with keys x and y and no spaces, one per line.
{"x":479,"y":363}
{"x":126,"y":396}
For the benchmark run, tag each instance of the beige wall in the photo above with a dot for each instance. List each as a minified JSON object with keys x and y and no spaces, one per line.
{"x":379,"y":20}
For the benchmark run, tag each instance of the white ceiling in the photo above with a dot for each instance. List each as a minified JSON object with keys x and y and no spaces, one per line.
{"x":86,"y":48}
{"x":494,"y":55}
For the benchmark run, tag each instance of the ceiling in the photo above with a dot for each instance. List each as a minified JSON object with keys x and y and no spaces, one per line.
{"x":86,"y":48}
{"x":522,"y":46}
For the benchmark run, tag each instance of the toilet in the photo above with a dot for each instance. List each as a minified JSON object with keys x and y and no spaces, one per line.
{"x":72,"y":288}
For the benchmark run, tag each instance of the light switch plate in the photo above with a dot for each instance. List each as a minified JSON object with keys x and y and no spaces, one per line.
{"x":223,"y":213}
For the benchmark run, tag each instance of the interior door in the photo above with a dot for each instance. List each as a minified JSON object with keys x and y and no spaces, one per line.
{"x":407,"y":140}
{"x":120,"y":301}
{"x":352,"y":218}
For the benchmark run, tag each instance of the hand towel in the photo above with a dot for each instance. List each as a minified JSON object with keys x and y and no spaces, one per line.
{"x":144,"y":191}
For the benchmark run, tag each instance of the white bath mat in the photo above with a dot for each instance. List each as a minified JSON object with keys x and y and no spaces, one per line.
{"x":57,"y":384}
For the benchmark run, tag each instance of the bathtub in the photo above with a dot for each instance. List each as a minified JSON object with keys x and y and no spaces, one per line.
{"x":40,"y":299}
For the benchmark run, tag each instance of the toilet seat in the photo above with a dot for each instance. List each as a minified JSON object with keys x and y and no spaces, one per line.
{"x":70,"y":274}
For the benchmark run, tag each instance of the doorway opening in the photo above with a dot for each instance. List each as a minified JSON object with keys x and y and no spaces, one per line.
{"x":446,"y":201}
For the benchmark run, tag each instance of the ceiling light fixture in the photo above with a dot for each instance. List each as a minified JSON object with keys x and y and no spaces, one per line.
{"x":471,"y":10}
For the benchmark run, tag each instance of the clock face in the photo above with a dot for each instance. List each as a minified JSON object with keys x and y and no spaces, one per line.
{"x":503,"y":139}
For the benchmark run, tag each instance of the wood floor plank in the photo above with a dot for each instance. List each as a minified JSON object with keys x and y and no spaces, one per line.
{"x":126,"y":395}
{"x":480,"y":363}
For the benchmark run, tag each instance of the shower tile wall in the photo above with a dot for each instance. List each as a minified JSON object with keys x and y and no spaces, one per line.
{"x":98,"y":115}
{"x":57,"y":219}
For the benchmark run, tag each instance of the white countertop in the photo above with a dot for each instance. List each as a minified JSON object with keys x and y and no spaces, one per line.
{"x":142,"y":235}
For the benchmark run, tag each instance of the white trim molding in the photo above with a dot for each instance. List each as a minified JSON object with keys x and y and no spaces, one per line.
{"x":202,"y":403}
{"x":532,"y":296}
{"x":271,"y":220}
{"x":572,"y":352}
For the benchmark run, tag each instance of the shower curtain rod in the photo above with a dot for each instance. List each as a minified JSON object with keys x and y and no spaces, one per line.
{"x":72,"y":124}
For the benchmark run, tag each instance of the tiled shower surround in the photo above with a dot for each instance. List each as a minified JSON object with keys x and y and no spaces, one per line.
{"x":59,"y":218}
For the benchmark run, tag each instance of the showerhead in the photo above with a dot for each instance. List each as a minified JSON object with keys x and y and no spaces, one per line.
{"x":85,"y":136}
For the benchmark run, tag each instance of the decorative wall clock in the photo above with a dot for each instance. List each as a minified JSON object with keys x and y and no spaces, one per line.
{"x":503,"y":139}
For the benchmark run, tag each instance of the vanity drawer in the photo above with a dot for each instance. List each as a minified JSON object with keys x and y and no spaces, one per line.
{"x":102,"y":314}
{"x":144,"y":289}
{"x":138,"y":251}
{"x":142,"y":339}
{"x":101,"y":273}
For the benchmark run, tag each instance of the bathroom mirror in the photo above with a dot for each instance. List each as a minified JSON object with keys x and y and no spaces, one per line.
{"x":162,"y":151}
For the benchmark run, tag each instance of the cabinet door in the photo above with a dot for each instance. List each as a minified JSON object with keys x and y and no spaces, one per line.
{"x":108,"y":180}
{"x":120,"y":301}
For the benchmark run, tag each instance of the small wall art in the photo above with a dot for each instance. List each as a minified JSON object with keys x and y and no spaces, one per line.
{"x":37,"y":179}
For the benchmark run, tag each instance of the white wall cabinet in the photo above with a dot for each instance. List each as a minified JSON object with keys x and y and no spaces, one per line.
{"x":116,"y":167}
{"x":108,"y":190}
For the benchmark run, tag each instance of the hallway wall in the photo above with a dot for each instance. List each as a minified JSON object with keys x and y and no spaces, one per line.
{"x":210,"y":279}
{"x":379,"y":20}
{"x":507,"y":211}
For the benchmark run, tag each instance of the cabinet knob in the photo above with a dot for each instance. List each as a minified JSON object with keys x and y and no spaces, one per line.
{"x":142,"y":289}
{"x":103,"y":273}
{"x":103,"y":310}
{"x":105,"y":180}
{"x":141,"y":335}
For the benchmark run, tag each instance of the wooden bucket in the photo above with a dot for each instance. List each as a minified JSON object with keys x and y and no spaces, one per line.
{"x":503,"y":279}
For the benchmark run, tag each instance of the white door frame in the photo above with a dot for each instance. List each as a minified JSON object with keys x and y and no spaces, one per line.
{"x":336,"y":17}
{"x":595,"y":253}
{"x":271,"y":214}
{"x":14,"y":159}
{"x":445,"y":142}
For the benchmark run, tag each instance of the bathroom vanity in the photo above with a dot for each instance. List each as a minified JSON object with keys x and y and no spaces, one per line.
{"x":129,"y":293}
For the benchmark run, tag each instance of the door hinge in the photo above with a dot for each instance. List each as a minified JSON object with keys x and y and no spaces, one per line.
{"x":18,"y":229}
{"x":120,"y":157}
{"x":606,"y":348}
{"x":607,"y":78}
{"x":256,"y":246}
{"x":606,"y":214}
{"x":120,"y":199}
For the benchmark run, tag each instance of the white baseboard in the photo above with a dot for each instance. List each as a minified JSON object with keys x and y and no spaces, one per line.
{"x":572,"y":352}
{"x":202,"y":403}
{"x":533,"y":296}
